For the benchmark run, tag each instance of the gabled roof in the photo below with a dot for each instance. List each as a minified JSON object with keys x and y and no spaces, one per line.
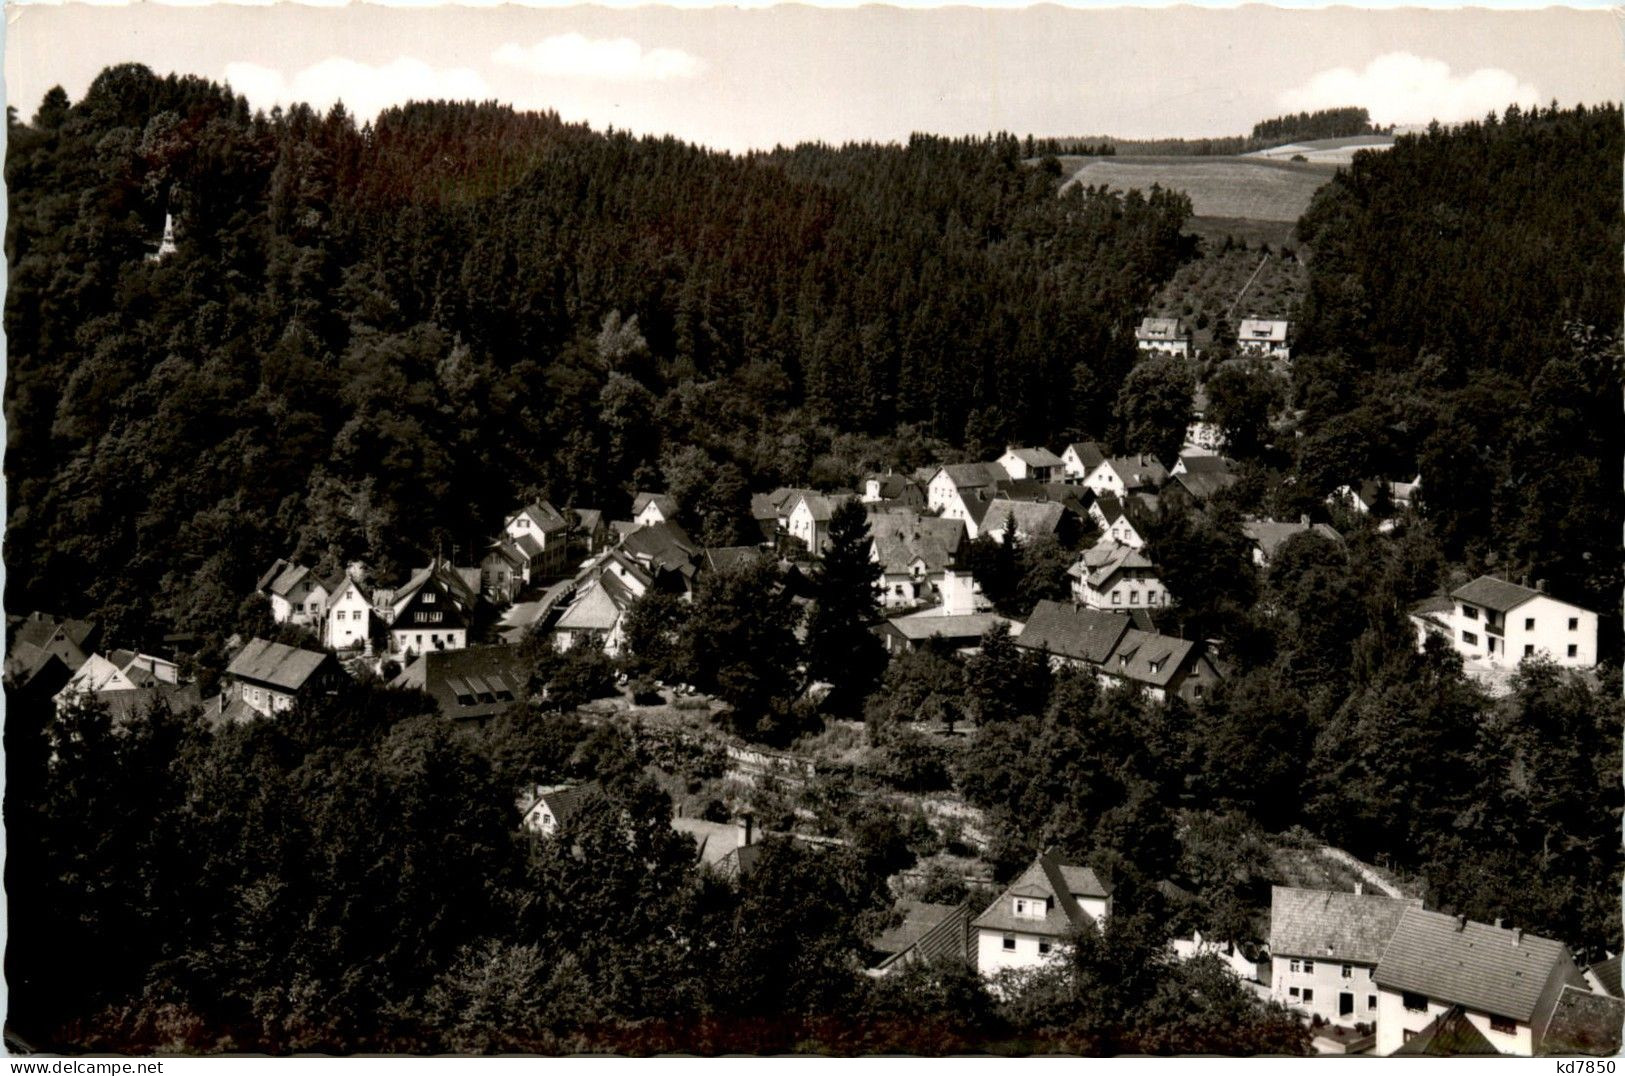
{"x":474,"y":682}
{"x":1138,"y":472}
{"x":1493,"y":593}
{"x":1450,"y":1034}
{"x":563,"y":803}
{"x":589,"y":519}
{"x":1034,"y":457}
{"x":1194,"y":464}
{"x":1088,"y":453}
{"x":1149,"y":658}
{"x":891,"y":487}
{"x":1485,"y":968}
{"x":1134,"y":506}
{"x":285,"y":667}
{"x":1033,"y":518}
{"x":41,"y":629}
{"x":1270,"y":534}
{"x":1584,"y":1023}
{"x":724,"y":557}
{"x":664,"y":502}
{"x":1047,"y":877}
{"x":1104,"y":560}
{"x":291,"y":576}
{"x":1329,"y":925}
{"x":1069,"y":631}
{"x":543,"y":516}
{"x":1607,"y":973}
{"x":277,"y":567}
{"x":454,"y":582}
{"x":918,"y":919}
{"x":931,"y":623}
{"x":506,"y":550}
{"x":1160,"y":329}
{"x":665,"y":545}
{"x":973,"y":475}
{"x":529,"y":546}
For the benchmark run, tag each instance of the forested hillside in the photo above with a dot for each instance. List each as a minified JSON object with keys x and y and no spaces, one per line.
{"x":371,"y":341}
{"x":1466,"y":288}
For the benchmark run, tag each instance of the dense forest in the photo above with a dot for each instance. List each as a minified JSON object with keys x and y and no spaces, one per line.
{"x":1307,"y":126}
{"x":1299,"y":127}
{"x":371,"y":341}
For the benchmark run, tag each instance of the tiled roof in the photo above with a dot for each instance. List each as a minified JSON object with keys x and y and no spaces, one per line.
{"x":1100,"y":562}
{"x":1139,"y":472}
{"x":1208,"y":464}
{"x":1607,"y":973}
{"x":474,"y":682}
{"x":280,"y":666}
{"x":1035,"y":457}
{"x":1493,"y":593}
{"x":763,"y":506}
{"x":1584,"y":1023}
{"x":1269,"y":534}
{"x":1067,"y":631}
{"x":291,"y":577}
{"x":975,"y":475}
{"x":1149,"y":658}
{"x":929,"y":622}
{"x":1033,"y":518}
{"x":1203,"y":484}
{"x":1048,"y":876}
{"x":529,"y":546}
{"x":544,"y":517}
{"x":1328,"y":925}
{"x":918,"y":918}
{"x":507,"y":551}
{"x":1485,"y":968}
{"x":1088,"y":453}
{"x":666,"y":504}
{"x":729,"y":556}
{"x":1160,"y":329}
{"x":665,"y":545}
{"x":1450,"y":1034}
{"x":565,"y":802}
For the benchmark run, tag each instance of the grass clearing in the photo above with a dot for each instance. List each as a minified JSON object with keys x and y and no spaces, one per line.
{"x":1248,"y":188}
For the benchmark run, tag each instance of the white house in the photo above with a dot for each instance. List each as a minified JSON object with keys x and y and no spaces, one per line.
{"x":1264,"y":338}
{"x":1494,"y":621}
{"x":1079,"y":461}
{"x":349,"y":616}
{"x":1164,"y":335}
{"x":1115,"y":520}
{"x":1125,"y":474}
{"x":545,"y":809}
{"x":1038,"y":464}
{"x":1504,"y":984}
{"x":297,"y":596}
{"x":1266,"y":536}
{"x":595,"y":608}
{"x":963,"y":491}
{"x":651,"y":508}
{"x":807,"y":520}
{"x":1324,"y":948}
{"x":1028,"y":923}
{"x":1118,"y":577}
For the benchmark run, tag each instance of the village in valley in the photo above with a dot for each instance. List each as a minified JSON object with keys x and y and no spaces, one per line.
{"x":1346,"y":946}
{"x":485,"y":582}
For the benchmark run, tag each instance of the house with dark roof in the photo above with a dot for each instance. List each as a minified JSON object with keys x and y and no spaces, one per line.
{"x":667,"y":553}
{"x":592,"y":610}
{"x":927,"y":933}
{"x":1324,"y":948}
{"x":913,"y":551}
{"x":963,"y":491}
{"x":895,"y":490}
{"x":652,"y":508}
{"x":1603,"y":977}
{"x":1111,"y":646}
{"x":1500,"y":623}
{"x":471,"y":684}
{"x":539,"y":535}
{"x":1167,"y":336}
{"x":1029,"y":519}
{"x":1036,"y":914}
{"x":1266,"y":536}
{"x":1127,"y":474}
{"x":297,"y":595}
{"x":271,"y":677}
{"x":1037,"y":464}
{"x":1198,"y":478}
{"x":434,"y":610}
{"x":35,"y":638}
{"x":1122,"y":519}
{"x":1079,"y":460}
{"x":1585,"y":1024}
{"x":1507,"y":983}
{"x":546,"y":809}
{"x":806,"y":515}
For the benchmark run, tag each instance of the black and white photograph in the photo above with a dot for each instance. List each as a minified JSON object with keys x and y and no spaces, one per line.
{"x":834,"y":531}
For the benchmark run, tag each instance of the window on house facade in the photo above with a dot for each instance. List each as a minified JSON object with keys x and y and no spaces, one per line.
{"x":1574,"y":651}
{"x":1470,"y":612}
{"x":1574,"y":623}
{"x":1294,"y":992}
{"x":1134,"y":597}
{"x":1528,"y":650}
{"x":1117,"y":597}
{"x":428,"y":597}
{"x":1308,"y":967}
{"x":1371,"y":1002}
{"x":1528,"y":623}
{"x":1469,"y":638}
{"x":1503,"y":1025}
{"x":1308,"y":994}
{"x":1413,"y":1002}
{"x":1348,"y":971}
{"x":1043,"y":947}
{"x":1297,"y":965}
{"x":1009,"y":944}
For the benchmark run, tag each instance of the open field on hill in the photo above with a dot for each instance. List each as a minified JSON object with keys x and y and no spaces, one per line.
{"x":1253,"y":188}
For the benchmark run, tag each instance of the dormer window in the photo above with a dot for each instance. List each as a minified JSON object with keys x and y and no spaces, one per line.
{"x":428,"y":597}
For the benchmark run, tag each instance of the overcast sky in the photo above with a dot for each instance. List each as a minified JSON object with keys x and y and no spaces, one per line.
{"x":737,"y":79}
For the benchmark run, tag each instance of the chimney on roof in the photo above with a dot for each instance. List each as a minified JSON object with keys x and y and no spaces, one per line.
{"x":1461,"y":923}
{"x":1540,"y":585}
{"x":747,"y":830}
{"x":1359,"y":888}
{"x":1304,"y":519}
{"x":1517,"y":936}
{"x":1499,"y":922}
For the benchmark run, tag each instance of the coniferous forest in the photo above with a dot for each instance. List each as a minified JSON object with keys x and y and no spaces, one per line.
{"x":372,"y":341}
